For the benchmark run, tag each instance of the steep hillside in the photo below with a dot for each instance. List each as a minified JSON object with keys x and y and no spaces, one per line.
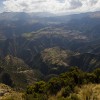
{"x":56,"y":60}
{"x":52,"y":61}
{"x":85,"y":61}
{"x":15,"y":72}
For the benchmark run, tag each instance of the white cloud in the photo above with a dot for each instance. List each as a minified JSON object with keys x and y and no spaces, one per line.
{"x":53,"y":6}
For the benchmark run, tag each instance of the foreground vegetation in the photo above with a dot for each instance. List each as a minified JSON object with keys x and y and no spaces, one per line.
{"x":84,"y":92}
{"x":72,"y":85}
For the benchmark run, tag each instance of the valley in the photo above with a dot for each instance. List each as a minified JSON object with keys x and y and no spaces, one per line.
{"x":35,"y":48}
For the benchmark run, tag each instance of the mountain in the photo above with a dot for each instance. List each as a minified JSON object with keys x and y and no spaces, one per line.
{"x":48,"y":45}
{"x":17,"y":23}
{"x":22,"y":15}
{"x":56,"y":60}
{"x":14,"y":68}
{"x":77,"y":33}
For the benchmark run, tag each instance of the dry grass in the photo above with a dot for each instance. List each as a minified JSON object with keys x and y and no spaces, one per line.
{"x":6,"y":93}
{"x":89,"y":92}
{"x":86,"y":92}
{"x":12,"y":96}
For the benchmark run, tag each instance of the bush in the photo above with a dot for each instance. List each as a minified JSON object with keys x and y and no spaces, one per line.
{"x":66,"y":92}
{"x":54,"y":85}
{"x":97,"y":73}
{"x":38,"y":87}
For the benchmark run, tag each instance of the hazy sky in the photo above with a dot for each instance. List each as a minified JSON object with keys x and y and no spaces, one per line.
{"x":53,"y":6}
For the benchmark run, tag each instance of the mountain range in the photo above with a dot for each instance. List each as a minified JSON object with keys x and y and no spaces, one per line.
{"x":33,"y":43}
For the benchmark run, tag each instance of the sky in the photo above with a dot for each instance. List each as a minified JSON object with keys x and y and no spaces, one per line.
{"x":52,"y":6}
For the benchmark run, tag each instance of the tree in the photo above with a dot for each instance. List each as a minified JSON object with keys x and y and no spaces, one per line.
{"x":54,"y":85}
{"x":97,"y":73}
{"x":39,"y":87}
{"x":66,"y":92}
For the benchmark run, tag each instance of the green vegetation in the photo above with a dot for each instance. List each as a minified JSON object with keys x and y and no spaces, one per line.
{"x":15,"y":73}
{"x":64,"y":87}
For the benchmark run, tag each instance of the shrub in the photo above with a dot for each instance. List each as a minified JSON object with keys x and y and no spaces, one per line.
{"x":66,"y":92}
